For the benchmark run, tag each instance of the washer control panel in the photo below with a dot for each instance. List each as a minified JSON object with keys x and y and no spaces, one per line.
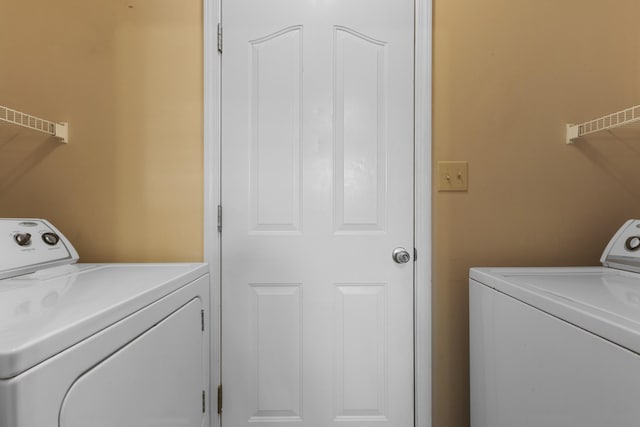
{"x":28,"y":245}
{"x":623,"y":250}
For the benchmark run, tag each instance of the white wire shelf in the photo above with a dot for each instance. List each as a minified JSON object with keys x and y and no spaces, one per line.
{"x":59,"y":130}
{"x":625,"y":118}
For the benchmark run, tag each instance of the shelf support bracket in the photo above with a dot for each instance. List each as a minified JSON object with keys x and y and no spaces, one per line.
{"x":572,"y":133}
{"x":62,"y":132}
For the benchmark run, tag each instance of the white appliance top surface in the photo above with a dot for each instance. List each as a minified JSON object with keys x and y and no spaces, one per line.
{"x":602,"y":300}
{"x":45,"y":312}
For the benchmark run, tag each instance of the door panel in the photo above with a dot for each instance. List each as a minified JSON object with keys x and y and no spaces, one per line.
{"x":361,"y":352}
{"x":276,"y":348}
{"x":360,"y":136}
{"x":317,"y":191}
{"x":276,"y":74}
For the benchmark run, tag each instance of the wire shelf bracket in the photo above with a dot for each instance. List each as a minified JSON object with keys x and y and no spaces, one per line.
{"x":625,"y":118}
{"x":58,"y":130}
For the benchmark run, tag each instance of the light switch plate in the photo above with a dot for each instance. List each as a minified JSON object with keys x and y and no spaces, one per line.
{"x":453,"y":176}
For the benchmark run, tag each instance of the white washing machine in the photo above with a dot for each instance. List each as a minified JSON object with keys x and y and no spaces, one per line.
{"x":97,"y":345}
{"x":558,"y":347}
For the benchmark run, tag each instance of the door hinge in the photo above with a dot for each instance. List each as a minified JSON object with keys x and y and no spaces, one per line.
{"x":219,"y":218}
{"x":204,"y":400}
{"x":415,"y":254}
{"x":219,"y":37}
{"x":220,"y":399}
{"x":202,"y":319}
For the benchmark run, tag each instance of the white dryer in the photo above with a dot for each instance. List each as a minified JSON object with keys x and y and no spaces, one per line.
{"x":97,"y":345}
{"x":558,"y":347}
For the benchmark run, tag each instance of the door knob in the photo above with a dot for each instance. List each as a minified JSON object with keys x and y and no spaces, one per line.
{"x":401,"y":256}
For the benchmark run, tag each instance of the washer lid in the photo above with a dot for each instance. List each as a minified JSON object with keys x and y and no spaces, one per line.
{"x":43,"y":313}
{"x":601,"y":300}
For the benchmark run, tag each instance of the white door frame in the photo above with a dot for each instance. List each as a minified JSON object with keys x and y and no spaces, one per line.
{"x":422,"y":195}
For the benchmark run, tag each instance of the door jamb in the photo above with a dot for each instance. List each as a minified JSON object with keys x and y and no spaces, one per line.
{"x":422,"y":217}
{"x":422,"y":200}
{"x":211,"y":80}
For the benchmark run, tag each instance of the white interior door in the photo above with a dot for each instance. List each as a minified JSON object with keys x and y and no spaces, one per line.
{"x":317,"y":192}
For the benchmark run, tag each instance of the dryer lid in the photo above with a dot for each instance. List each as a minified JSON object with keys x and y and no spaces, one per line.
{"x":44,"y":313}
{"x":603,"y":301}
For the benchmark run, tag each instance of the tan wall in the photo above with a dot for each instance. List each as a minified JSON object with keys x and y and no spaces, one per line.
{"x":127,"y":76}
{"x":507,"y":76}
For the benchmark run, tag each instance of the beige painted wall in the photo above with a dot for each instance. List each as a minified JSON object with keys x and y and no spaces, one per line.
{"x":507,"y":76}
{"x":127,"y":76}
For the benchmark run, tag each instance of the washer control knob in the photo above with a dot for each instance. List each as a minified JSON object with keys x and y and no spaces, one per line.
{"x":632,"y":243}
{"x":22,"y":239}
{"x":50,"y":238}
